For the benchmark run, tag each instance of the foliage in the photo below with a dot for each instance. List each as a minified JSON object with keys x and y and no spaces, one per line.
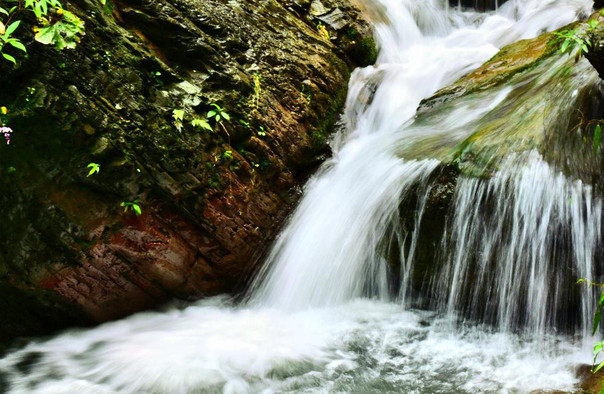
{"x":56,"y":26}
{"x":95,"y":168}
{"x":64,"y":33}
{"x":201,"y":123}
{"x":323,"y":31}
{"x":178,"y":115}
{"x":134,"y":206}
{"x":257,"y":89}
{"x":569,"y":39}
{"x":218,"y":113}
{"x":599,"y":346}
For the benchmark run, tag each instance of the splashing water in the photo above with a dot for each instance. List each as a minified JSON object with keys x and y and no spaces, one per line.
{"x":324,"y":315}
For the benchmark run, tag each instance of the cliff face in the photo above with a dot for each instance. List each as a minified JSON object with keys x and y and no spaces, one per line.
{"x":210,"y":200}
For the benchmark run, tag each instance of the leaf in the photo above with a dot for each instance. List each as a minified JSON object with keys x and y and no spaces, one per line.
{"x":137,"y":209}
{"x":2,"y":28}
{"x":9,"y":58}
{"x":201,"y":123}
{"x":226,"y":116}
{"x":565,"y":45}
{"x":597,"y":318}
{"x":598,"y":367}
{"x":11,"y":28}
{"x":593,"y":23}
{"x":597,"y":139}
{"x":178,"y":114}
{"x":94,"y":167}
{"x":217,"y":117}
{"x":211,"y":114}
{"x":3,"y":11}
{"x":64,"y":34}
{"x":17,"y":44}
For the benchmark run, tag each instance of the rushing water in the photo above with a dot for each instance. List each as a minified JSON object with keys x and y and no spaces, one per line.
{"x":324,"y":315}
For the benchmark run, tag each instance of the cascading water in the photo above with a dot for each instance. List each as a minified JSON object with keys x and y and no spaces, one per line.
{"x":327,"y":312}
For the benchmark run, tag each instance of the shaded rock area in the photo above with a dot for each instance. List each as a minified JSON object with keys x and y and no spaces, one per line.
{"x":589,"y":383}
{"x":210,"y":200}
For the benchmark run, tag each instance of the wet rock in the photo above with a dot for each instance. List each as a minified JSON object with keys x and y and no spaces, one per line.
{"x":211,"y":201}
{"x":589,"y":383}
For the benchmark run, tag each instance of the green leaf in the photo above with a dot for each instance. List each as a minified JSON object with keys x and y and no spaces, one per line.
{"x":597,"y":318}
{"x":201,"y":123}
{"x":17,"y":44}
{"x":211,"y":114}
{"x":226,"y":116}
{"x":596,"y":369}
{"x":65,"y":34}
{"x":11,"y":28}
{"x":94,"y":168}
{"x":565,"y":45}
{"x":3,"y":11}
{"x":137,"y":209}
{"x":597,"y":139}
{"x":9,"y":58}
{"x":593,"y":23}
{"x":178,"y":114}
{"x":217,"y":117}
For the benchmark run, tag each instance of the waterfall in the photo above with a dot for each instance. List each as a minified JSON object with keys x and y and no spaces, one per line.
{"x":343,"y":302}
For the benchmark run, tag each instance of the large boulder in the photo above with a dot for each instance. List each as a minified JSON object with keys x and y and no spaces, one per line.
{"x":210,"y":201}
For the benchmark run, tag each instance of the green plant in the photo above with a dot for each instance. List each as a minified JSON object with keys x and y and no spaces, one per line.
{"x":134,"y":206}
{"x":599,"y":346}
{"x":197,"y":122}
{"x":218,"y":114}
{"x":569,"y":39}
{"x":306,"y":93}
{"x":178,"y":115}
{"x":94,"y":168}
{"x":55,"y":25}
{"x":226,"y":155}
{"x":323,"y":31}
{"x":257,"y":89}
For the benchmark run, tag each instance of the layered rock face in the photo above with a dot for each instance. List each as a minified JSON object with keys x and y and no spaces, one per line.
{"x":210,"y":200}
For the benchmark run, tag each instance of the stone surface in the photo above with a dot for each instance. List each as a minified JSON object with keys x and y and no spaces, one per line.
{"x":210,"y":200}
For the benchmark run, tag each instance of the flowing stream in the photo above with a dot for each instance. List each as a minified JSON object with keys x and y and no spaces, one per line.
{"x":328,"y":312}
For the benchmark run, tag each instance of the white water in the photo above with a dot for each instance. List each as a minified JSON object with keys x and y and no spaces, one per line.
{"x":306,"y":327}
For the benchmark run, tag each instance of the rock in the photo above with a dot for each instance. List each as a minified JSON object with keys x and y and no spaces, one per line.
{"x":528,"y":97}
{"x":589,"y":383}
{"x":70,"y":254}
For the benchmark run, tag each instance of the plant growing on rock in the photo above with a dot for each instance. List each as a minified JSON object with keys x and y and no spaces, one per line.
{"x":55,"y":25}
{"x":95,"y":168}
{"x":569,"y":39}
{"x":323,"y":31}
{"x":134,"y":206}
{"x":599,"y":346}
{"x":201,"y":123}
{"x":178,"y":115}
{"x":218,"y":114}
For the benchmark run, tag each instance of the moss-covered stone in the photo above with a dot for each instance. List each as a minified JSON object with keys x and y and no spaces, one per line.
{"x":206,"y":213}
